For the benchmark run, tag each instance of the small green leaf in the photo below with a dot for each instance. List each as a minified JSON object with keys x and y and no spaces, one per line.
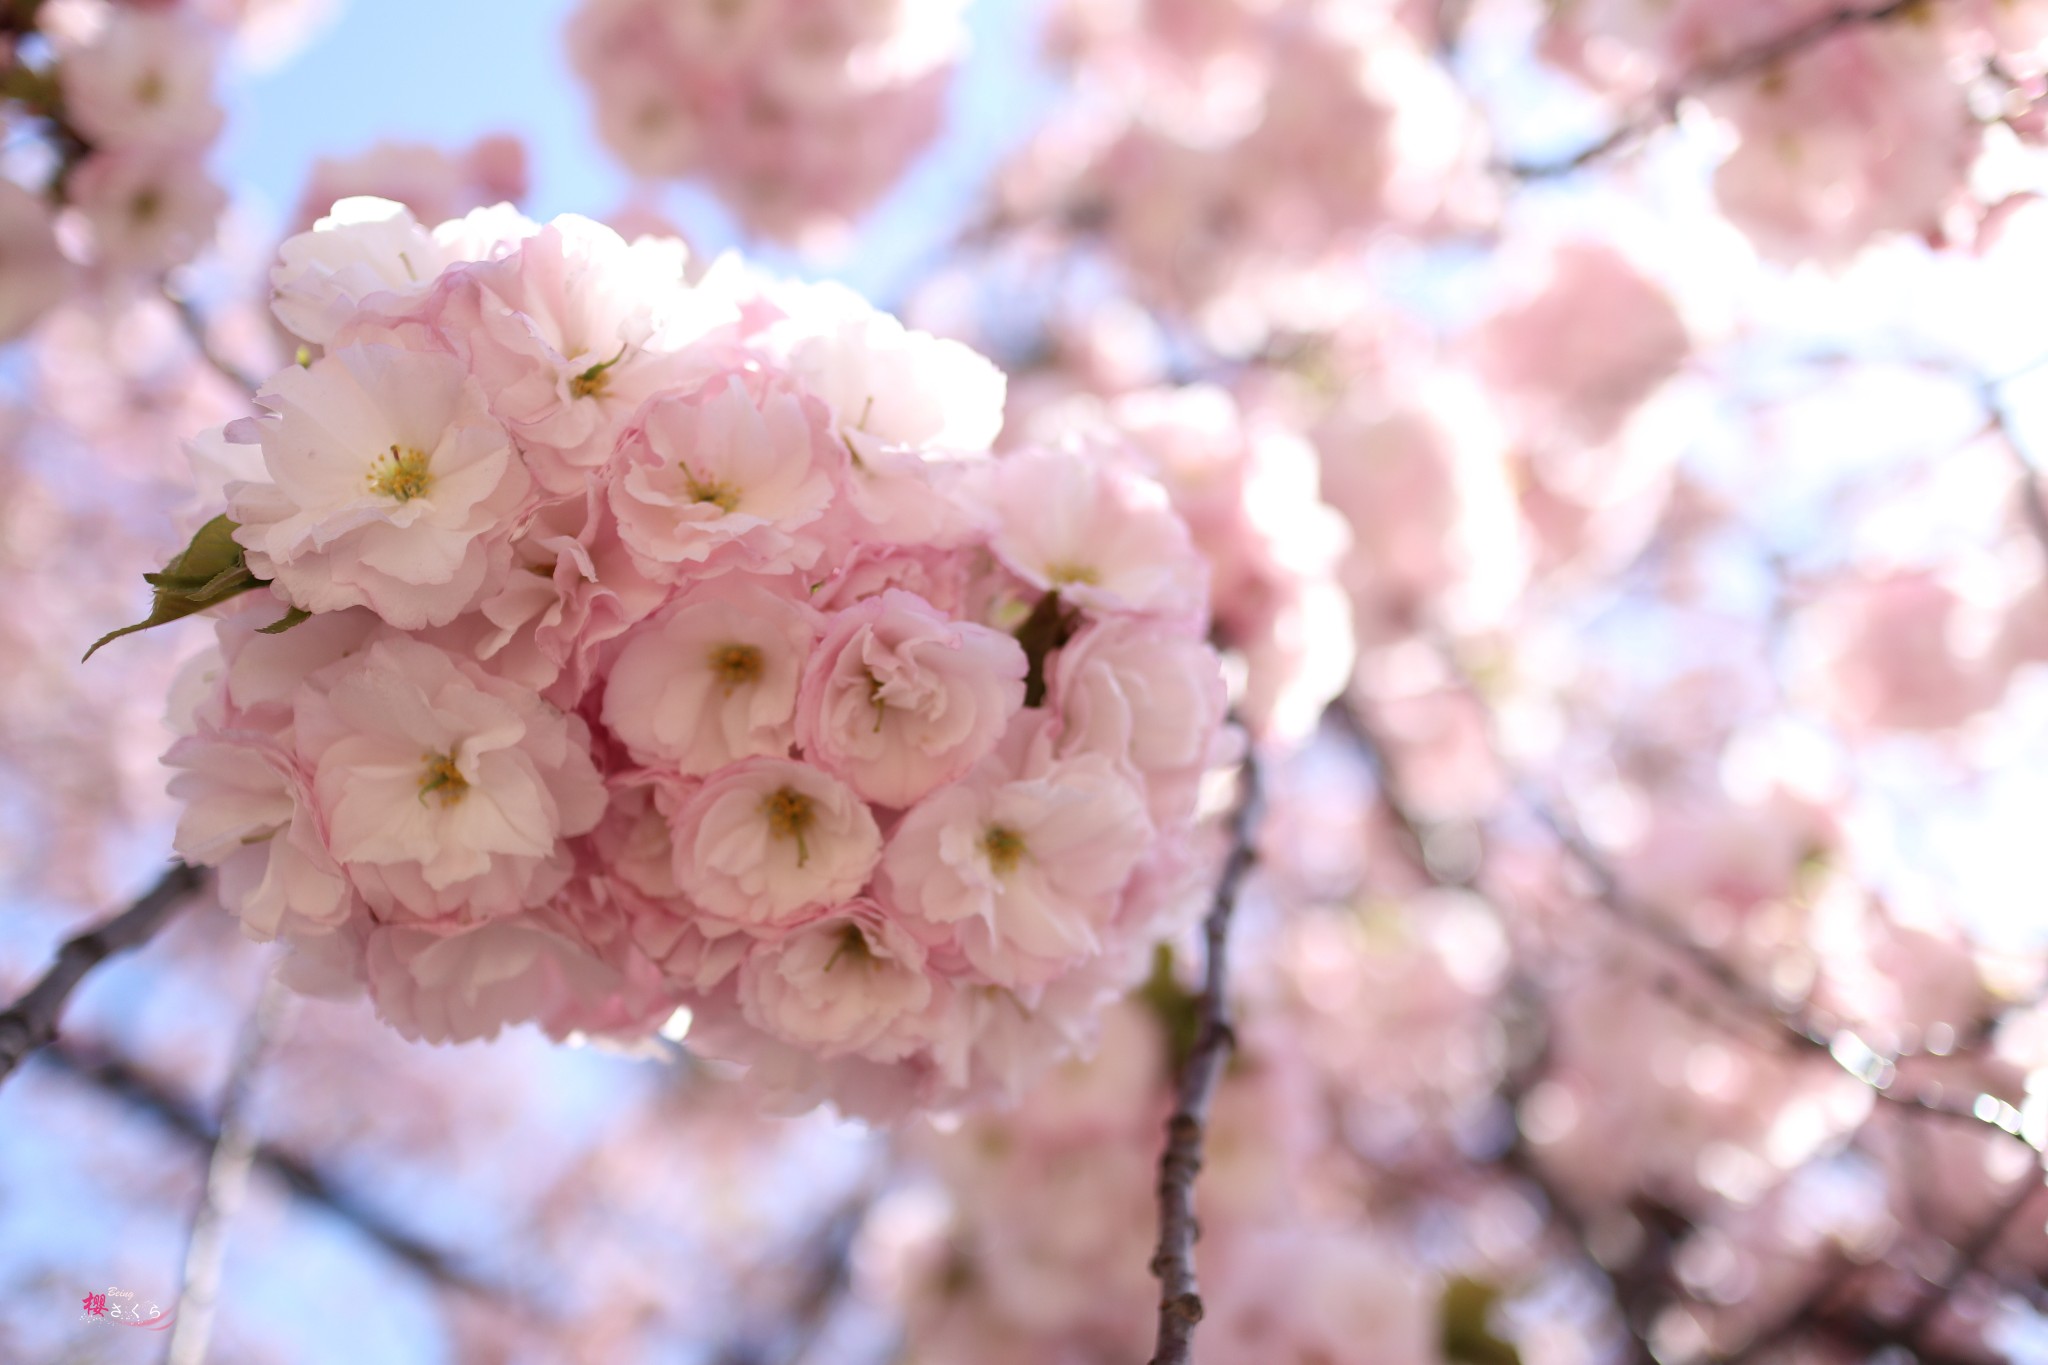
{"x":209,"y":570}
{"x":286,"y":621}
{"x":1178,"y":1009}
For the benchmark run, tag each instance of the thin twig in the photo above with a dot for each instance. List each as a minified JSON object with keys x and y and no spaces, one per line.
{"x":227,"y":1176}
{"x":1180,"y":1299}
{"x":1842,"y":1046}
{"x":202,"y":342}
{"x":1662,"y":106}
{"x":822,"y":1282}
{"x":31,"y":1022}
{"x":1355,"y":722}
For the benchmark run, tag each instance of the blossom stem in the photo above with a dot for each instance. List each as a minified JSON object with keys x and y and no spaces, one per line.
{"x":1180,"y":1298}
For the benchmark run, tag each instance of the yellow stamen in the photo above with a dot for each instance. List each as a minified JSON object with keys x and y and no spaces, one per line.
{"x":592,"y":381}
{"x":402,"y":474}
{"x":790,"y":813}
{"x":736,"y":665}
{"x":1004,"y":849}
{"x":442,"y":780}
{"x":1073,"y":573}
{"x":851,"y":940}
{"x":724,"y":496}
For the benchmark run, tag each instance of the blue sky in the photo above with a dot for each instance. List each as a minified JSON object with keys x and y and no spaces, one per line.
{"x":447,"y":71}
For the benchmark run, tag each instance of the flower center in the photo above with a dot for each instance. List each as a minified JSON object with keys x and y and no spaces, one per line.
{"x":1004,"y":849}
{"x":875,"y":700}
{"x":721,"y":495}
{"x":1069,"y":572}
{"x":442,"y":780}
{"x":736,"y":665}
{"x":851,"y":941}
{"x":402,"y":474}
{"x":790,"y":814}
{"x":592,"y":381}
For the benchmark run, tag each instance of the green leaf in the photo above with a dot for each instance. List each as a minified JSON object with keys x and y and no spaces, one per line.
{"x":209,"y":570}
{"x":1050,"y":625}
{"x":1466,"y":1320}
{"x":286,"y":621}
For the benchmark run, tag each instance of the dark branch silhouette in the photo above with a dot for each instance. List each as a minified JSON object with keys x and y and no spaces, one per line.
{"x":183,"y":1118}
{"x":1180,"y":1298}
{"x":31,"y":1022}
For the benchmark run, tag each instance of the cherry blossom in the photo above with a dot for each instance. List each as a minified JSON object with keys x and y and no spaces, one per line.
{"x":390,"y":485}
{"x":732,"y":475}
{"x":898,"y":700}
{"x":713,"y":679}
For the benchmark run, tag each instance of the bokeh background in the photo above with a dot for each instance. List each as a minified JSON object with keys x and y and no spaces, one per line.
{"x":1772,"y":638}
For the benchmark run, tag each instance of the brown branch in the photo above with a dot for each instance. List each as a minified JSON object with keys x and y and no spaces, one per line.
{"x":1632,"y":1283}
{"x":1662,"y":106}
{"x":821,"y":1281}
{"x":1968,"y":1257}
{"x":1417,"y":832}
{"x":122,"y":1079}
{"x":1796,"y":1026}
{"x":1180,"y":1298}
{"x":31,"y":1022}
{"x":1518,"y":1157}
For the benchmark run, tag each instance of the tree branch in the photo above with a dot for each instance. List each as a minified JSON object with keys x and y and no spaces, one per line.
{"x":121,"y":1078}
{"x":1518,"y":1157}
{"x":1968,"y":1257}
{"x":1180,"y":1299}
{"x":31,"y":1022}
{"x":202,"y":342}
{"x":1662,"y":106}
{"x":1842,"y":1046}
{"x":821,"y":1282}
{"x":227,"y":1176}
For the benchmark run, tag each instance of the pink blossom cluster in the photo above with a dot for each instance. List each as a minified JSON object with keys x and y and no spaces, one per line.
{"x":799,"y":114}
{"x":1247,"y":486}
{"x":1872,"y":129}
{"x":1232,"y":157}
{"x":435,"y":183}
{"x":123,"y":95}
{"x":679,"y":646}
